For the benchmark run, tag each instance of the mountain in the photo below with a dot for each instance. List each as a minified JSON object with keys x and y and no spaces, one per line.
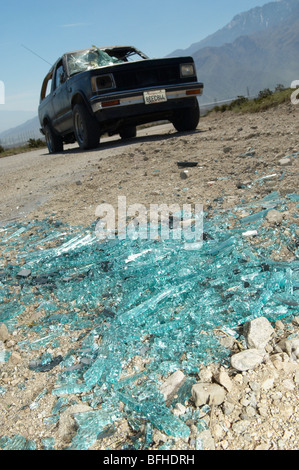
{"x":21,"y":134}
{"x":258,"y":49}
{"x":250,"y":63}
{"x":247,"y":23}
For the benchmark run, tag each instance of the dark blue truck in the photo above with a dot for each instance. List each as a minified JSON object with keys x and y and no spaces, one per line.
{"x":90,"y":92}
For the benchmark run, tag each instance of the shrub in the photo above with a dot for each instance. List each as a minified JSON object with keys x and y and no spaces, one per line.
{"x":238,"y":102}
{"x":35,"y":143}
{"x":279,"y":88}
{"x":264,"y":93}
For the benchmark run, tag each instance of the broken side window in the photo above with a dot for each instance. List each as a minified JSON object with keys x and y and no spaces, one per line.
{"x":59,"y":75}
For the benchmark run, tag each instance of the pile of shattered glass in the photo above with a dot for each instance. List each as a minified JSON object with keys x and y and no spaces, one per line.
{"x":153,"y":299}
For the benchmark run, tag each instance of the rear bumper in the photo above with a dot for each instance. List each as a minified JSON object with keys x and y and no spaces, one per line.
{"x":131,"y":105}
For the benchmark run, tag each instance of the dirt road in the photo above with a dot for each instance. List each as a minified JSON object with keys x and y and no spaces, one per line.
{"x":230,"y":150}
{"x":29,"y":180}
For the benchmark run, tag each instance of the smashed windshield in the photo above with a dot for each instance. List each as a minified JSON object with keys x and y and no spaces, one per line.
{"x":89,"y":59}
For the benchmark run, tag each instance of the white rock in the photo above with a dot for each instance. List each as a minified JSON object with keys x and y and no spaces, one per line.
{"x":207,"y":440}
{"x":179,"y":409}
{"x":274,"y":217}
{"x":239,"y":427}
{"x":207,"y":393}
{"x":285,"y":161}
{"x":250,"y":233}
{"x":268,"y":383}
{"x":223,"y":379}
{"x":248,"y":359}
{"x":172,"y":384}
{"x":258,"y":333}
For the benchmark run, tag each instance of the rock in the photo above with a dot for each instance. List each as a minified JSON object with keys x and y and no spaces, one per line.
{"x":228,"y":407}
{"x":274,"y":217}
{"x":207,"y":440}
{"x":291,"y":347}
{"x":288,"y":384}
{"x":258,"y":333}
{"x":184,"y":175}
{"x":239,"y":427}
{"x":248,"y":359}
{"x":4,"y":335}
{"x":223,"y":379}
{"x":250,"y":233}
{"x":179,"y":409}
{"x":227,"y":149}
{"x":15,"y":358}
{"x":268,"y":383}
{"x":285,"y":161}
{"x":207,"y":393}
{"x":172,"y":384}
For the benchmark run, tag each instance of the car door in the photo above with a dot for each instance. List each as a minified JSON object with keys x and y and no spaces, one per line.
{"x":61,"y":102}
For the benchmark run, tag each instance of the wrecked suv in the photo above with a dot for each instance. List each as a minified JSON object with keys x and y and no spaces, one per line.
{"x":112,"y":90}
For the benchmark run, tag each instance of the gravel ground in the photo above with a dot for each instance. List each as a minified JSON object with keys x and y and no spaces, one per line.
{"x":260,"y":409}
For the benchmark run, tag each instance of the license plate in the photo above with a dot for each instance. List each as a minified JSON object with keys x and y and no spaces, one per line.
{"x":155,"y":96}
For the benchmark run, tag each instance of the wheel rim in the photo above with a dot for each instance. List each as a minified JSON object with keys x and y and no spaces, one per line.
{"x":79,"y":128}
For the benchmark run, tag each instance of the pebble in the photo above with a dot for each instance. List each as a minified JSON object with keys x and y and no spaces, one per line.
{"x":203,"y":393}
{"x":274,"y":217}
{"x":4,"y":335}
{"x":223,"y":379}
{"x":258,"y":333}
{"x":248,"y":359}
{"x":241,"y":426}
{"x":285,"y":162}
{"x":171,"y":385}
{"x":184,"y":175}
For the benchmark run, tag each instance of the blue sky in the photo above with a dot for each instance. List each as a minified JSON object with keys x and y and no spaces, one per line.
{"x":157,"y":27}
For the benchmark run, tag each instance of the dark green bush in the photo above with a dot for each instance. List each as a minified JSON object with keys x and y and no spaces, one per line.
{"x":264,"y":93}
{"x":35,"y":143}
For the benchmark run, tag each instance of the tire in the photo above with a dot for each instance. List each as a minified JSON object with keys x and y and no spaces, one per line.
{"x":86,"y":128}
{"x":128,"y":132}
{"x":186,"y":119}
{"x":53,"y":141}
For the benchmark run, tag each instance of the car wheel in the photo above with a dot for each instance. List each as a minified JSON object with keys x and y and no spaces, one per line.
{"x":187,"y":119}
{"x":53,"y":141}
{"x":128,"y":132}
{"x":87,"y":131}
